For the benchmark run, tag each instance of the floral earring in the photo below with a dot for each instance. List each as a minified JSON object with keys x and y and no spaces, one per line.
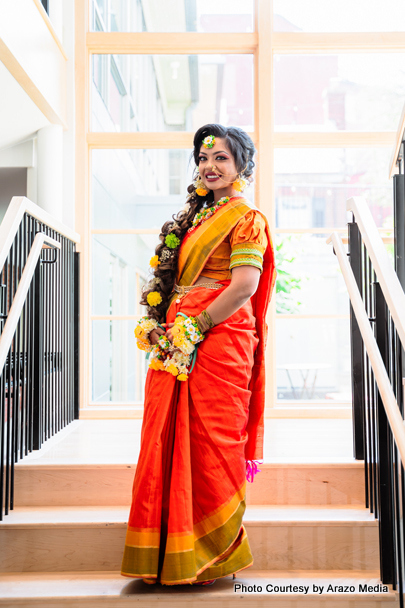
{"x":240,"y":184}
{"x":198,"y":184}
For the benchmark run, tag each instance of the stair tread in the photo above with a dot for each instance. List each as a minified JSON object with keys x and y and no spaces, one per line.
{"x":318,"y":463}
{"x":112,"y":584}
{"x":116,"y":516}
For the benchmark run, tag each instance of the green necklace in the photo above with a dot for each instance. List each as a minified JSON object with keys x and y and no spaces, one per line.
{"x":203,"y":215}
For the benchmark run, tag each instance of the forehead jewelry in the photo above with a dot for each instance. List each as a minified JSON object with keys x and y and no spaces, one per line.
{"x":209,"y":141}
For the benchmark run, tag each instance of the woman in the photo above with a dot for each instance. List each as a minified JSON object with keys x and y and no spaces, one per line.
{"x":202,"y":430}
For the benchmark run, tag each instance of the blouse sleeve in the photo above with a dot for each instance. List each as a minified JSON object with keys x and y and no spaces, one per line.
{"x":248,"y":241}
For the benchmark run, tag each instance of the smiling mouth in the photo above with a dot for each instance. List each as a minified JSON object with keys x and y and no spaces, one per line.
{"x":212,"y":177}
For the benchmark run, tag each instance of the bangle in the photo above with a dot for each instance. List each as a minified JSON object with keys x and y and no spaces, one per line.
{"x":204,"y":321}
{"x":142,"y":331}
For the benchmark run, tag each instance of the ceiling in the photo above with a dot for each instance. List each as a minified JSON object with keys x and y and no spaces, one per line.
{"x":19,"y":116}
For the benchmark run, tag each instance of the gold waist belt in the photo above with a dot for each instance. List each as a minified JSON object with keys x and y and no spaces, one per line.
{"x":183,"y":289}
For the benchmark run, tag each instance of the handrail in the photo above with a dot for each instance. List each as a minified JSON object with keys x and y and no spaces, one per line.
{"x":387,"y":277}
{"x":383,"y":382}
{"x":39,"y":334}
{"x":10,"y":325}
{"x":12,"y":220}
{"x":393,"y":169}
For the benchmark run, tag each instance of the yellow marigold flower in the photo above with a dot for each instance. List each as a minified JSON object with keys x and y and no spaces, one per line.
{"x":139,"y":331}
{"x":201,"y":191}
{"x":154,"y":261}
{"x":182,"y":377}
{"x":176,"y":330}
{"x":154,"y":298}
{"x":239,"y":185}
{"x":156,"y":364}
{"x":143,"y":345}
{"x":172,"y":369}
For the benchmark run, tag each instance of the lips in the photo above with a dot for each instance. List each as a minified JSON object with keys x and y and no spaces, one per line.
{"x":211,"y":176}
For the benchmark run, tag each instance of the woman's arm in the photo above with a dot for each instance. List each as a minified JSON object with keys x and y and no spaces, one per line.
{"x":243,"y":285}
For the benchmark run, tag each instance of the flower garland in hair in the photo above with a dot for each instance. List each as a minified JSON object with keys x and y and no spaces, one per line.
{"x":172,"y":241}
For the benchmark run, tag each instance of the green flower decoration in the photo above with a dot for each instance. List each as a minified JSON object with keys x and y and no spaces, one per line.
{"x":209,"y":141}
{"x":172,"y":241}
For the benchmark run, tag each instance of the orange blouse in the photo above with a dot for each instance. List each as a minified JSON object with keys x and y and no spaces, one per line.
{"x":244,"y":245}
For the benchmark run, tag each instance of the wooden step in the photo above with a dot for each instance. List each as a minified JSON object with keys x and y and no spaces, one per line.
{"x":277,"y":484}
{"x":250,"y":589}
{"x":306,"y":537}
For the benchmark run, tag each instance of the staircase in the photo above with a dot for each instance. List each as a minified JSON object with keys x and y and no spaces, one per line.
{"x":307,"y":525}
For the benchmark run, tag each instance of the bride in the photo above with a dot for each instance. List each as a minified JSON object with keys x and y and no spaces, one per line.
{"x":205,"y":334}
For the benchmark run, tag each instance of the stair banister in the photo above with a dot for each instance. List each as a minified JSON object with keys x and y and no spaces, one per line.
{"x":13,"y":316}
{"x":387,"y":277}
{"x":396,"y":151}
{"x":380,"y":373}
{"x":39,"y":334}
{"x":12,"y":219}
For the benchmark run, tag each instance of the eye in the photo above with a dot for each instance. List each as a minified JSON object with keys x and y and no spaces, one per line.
{"x":201,"y":158}
{"x":221,"y":158}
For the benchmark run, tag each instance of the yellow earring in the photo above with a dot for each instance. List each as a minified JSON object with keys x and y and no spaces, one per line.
{"x":240,"y":184}
{"x":198,"y":184}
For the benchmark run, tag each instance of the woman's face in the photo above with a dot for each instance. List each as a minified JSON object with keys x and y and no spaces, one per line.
{"x":217,"y":167}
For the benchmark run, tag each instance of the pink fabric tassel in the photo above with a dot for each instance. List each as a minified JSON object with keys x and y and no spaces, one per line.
{"x":251,"y":469}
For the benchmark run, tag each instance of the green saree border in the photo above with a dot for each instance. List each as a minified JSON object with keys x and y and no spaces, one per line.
{"x":181,"y":567}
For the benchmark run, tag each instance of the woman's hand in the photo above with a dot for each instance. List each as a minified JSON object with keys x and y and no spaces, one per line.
{"x":168,"y":332}
{"x":155,"y":334}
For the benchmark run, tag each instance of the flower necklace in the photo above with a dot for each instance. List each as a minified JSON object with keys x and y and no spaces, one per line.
{"x":203,"y":215}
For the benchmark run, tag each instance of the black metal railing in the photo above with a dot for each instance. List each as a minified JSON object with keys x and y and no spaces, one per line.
{"x":39,"y":381}
{"x":372,"y":436}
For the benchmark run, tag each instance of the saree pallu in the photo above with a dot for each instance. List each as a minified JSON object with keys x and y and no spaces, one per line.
{"x":188,"y":501}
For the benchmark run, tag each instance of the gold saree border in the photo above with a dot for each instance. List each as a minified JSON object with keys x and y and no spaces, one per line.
{"x":184,"y":541}
{"x":206,"y":238}
{"x":187,"y":555}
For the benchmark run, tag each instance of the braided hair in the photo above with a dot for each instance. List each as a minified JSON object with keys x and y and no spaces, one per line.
{"x":242,"y":149}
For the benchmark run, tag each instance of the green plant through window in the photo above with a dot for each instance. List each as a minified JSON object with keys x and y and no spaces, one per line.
{"x":287,"y":285}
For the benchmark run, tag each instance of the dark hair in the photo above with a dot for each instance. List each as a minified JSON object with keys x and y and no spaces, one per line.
{"x":243,"y":150}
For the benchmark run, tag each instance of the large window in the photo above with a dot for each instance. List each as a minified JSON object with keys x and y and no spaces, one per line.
{"x":342,"y":16}
{"x":171,"y":92}
{"x":321,"y":102}
{"x":172,"y":16}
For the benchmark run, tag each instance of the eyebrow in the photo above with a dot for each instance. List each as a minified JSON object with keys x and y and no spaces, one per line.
{"x":220,"y":152}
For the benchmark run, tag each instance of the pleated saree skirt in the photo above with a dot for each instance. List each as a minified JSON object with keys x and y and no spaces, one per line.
{"x":188,"y":498}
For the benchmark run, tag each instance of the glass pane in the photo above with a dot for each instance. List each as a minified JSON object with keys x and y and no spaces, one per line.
{"x":120,"y":266}
{"x":171,"y":92}
{"x":312,"y":185}
{"x":118,"y":366}
{"x":342,"y":16}
{"x":172,"y":16}
{"x":313,"y":359}
{"x":140,"y":188}
{"x":351,"y":91}
{"x":309,"y":280}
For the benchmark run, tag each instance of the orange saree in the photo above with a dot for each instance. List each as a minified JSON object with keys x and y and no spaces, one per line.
{"x":185,"y":522}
